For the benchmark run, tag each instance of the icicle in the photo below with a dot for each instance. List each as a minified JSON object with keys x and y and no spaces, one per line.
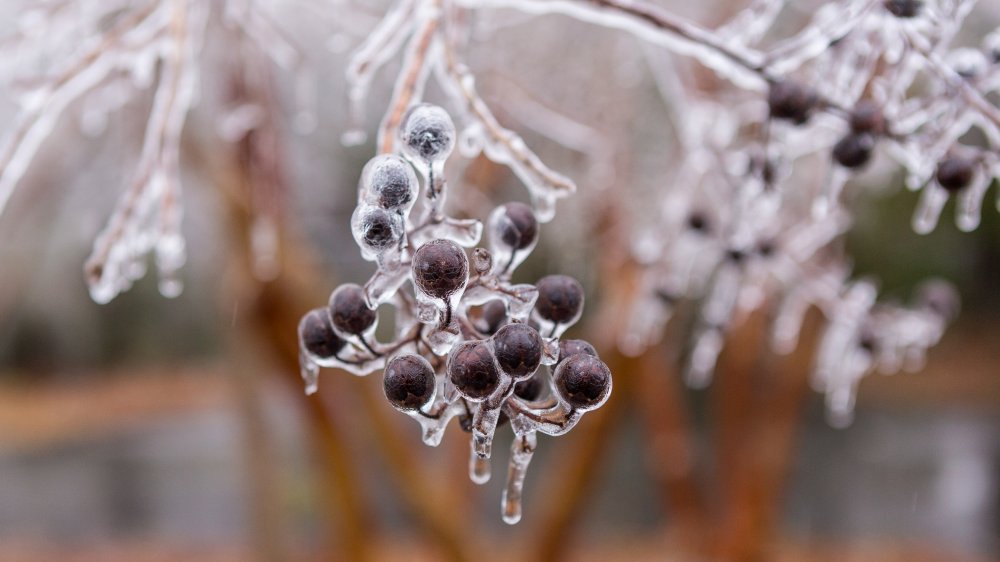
{"x":521,"y":451}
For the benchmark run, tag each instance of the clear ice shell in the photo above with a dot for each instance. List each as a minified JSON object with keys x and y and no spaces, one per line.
{"x":505,"y":259}
{"x":386,"y":179}
{"x":521,"y":452}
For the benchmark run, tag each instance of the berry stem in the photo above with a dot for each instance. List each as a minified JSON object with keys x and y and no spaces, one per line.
{"x":365,"y":343}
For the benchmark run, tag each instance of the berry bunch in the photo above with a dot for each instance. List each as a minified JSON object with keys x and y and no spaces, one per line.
{"x":468,"y":343}
{"x":831,"y":100}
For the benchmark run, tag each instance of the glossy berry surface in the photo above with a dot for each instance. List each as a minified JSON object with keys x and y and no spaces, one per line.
{"x":583,"y":381}
{"x":427,"y":132}
{"x":408,"y":382}
{"x":954,"y":173}
{"x":560,"y":298}
{"x":791,"y":101}
{"x":854,"y":150}
{"x":569,"y":348}
{"x":518,"y":227}
{"x":318,"y":336}
{"x":440,"y":268}
{"x":472,"y":370}
{"x":518,"y":349}
{"x":348,"y":310}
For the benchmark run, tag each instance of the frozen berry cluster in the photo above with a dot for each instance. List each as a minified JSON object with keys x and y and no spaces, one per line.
{"x":468,"y":343}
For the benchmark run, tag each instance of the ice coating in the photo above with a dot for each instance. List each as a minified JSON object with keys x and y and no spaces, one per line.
{"x":463,"y":346}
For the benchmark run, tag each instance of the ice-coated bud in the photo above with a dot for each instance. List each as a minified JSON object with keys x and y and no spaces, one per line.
{"x":518,"y":349}
{"x":427,"y":133}
{"x":408,"y":382}
{"x":376,"y":230}
{"x":348,"y":311}
{"x":317,"y":335}
{"x":472,"y":371}
{"x":440,"y":269}
{"x":388,"y":181}
{"x":482,"y":261}
{"x":791,"y":101}
{"x":583,"y":382}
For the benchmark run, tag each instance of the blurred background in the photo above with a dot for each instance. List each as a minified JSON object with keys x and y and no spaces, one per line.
{"x":166,"y":429}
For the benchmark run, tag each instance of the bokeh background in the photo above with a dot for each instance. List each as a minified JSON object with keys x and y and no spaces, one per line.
{"x":162,"y":429}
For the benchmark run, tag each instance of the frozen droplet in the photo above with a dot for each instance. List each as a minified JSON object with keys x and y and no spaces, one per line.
{"x":703,"y":358}
{"x":928,"y":211}
{"x":521,"y":452}
{"x":840,"y":405}
{"x":970,"y":203}
{"x":310,"y":373}
{"x":479,"y":468}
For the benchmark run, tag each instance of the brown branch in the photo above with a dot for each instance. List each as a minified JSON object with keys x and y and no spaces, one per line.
{"x":670,"y":446}
{"x":409,"y":82}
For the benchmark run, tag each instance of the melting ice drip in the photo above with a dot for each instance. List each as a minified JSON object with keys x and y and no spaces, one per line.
{"x":468,"y":343}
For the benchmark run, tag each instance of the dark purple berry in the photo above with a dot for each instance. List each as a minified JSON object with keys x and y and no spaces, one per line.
{"x":317,"y":334}
{"x":518,"y":349}
{"x":408,"y":382}
{"x":394,"y":186}
{"x":792,"y":101}
{"x":427,"y":132}
{"x":440,"y":268}
{"x":904,"y":8}
{"x":583,"y":381}
{"x":348,"y":310}
{"x":379,"y":229}
{"x":698,"y":222}
{"x":493,"y":314}
{"x":517,"y":227}
{"x":854,"y":150}
{"x":472,"y":371}
{"x":867,"y":117}
{"x":530,"y":389}
{"x":569,"y":348}
{"x":955,"y":172}
{"x":560,"y":298}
